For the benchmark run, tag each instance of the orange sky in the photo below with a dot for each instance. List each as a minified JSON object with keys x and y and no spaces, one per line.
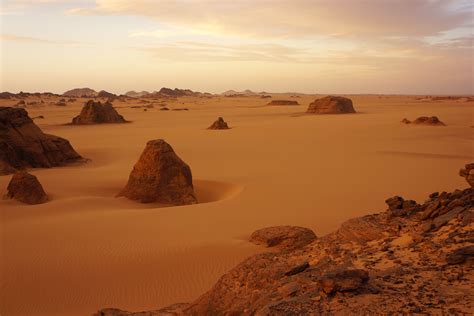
{"x":330,"y":46}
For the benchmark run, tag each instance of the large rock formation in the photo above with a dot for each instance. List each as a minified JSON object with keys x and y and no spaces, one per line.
{"x":410,"y":259}
{"x":283,"y":102}
{"x":283,"y":236}
{"x":160,"y":176}
{"x":26,"y":188}
{"x":24,"y":145}
{"x":219,"y":124}
{"x":98,"y":113}
{"x":331,"y":105}
{"x":468,"y":173}
{"x":425,"y":120}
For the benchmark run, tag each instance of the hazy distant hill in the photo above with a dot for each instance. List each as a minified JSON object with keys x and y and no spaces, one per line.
{"x":80,"y":92}
{"x":135,"y":94}
{"x":245,"y":92}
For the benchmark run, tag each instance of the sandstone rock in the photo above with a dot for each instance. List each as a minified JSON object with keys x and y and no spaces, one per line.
{"x":26,"y":188}
{"x":164,"y":109}
{"x":283,"y":236}
{"x":460,"y":255}
{"x":343,"y":280}
{"x":331,"y":105}
{"x":406,"y":121}
{"x":24,"y":145}
{"x":160,"y":176}
{"x":297,"y":269}
{"x":219,"y":124}
{"x":98,"y":113}
{"x":468,"y":173}
{"x":425,"y":120}
{"x":283,"y":102}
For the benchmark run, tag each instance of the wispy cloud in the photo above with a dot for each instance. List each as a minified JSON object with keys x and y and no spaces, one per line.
{"x":295,"y":18}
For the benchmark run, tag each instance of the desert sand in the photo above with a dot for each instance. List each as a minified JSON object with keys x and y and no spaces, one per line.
{"x":86,"y":249}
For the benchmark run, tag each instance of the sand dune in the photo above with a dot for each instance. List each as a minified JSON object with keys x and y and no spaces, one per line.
{"x":87,"y":249}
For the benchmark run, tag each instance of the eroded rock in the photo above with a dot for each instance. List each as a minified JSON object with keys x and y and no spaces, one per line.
{"x":283,"y":236}
{"x":26,"y":188}
{"x":98,"y":113}
{"x":160,"y":176}
{"x":331,"y":105}
{"x":24,"y":145}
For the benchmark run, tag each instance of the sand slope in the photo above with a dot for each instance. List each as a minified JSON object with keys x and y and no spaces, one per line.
{"x":86,"y":249}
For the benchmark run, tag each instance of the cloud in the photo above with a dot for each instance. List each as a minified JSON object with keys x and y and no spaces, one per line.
{"x":26,"y":39}
{"x":297,"y":18}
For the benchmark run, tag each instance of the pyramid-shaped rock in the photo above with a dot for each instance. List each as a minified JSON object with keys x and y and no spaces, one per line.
{"x":98,"y":113}
{"x":26,"y":188}
{"x":160,"y":176}
{"x":219,"y":124}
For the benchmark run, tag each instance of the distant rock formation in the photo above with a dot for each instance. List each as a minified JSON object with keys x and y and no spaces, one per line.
{"x":410,"y":259}
{"x":331,"y":105}
{"x":134,"y":94}
{"x":6,"y":95}
{"x":468,"y":173}
{"x":24,"y":145}
{"x":105,"y":94}
{"x":164,"y":109}
{"x":219,"y":124}
{"x":283,"y":237}
{"x":26,"y":188}
{"x":283,"y":102}
{"x":80,"y":93}
{"x":98,"y":113}
{"x":160,"y":176}
{"x":425,"y":120}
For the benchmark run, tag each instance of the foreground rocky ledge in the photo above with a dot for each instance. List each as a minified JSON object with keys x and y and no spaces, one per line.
{"x":411,"y":258}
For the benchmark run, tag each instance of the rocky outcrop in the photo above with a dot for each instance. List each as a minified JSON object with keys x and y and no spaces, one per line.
{"x":26,"y":188}
{"x":283,"y":102}
{"x":425,"y":120}
{"x":410,"y":259}
{"x":160,"y":176}
{"x":24,"y":145}
{"x":219,"y":124}
{"x":105,"y":94}
{"x":331,"y":105}
{"x":283,"y":237}
{"x":98,"y":113}
{"x":468,"y":173}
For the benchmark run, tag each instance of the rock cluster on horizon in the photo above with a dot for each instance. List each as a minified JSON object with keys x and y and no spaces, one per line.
{"x":331,"y":105}
{"x":98,"y":113}
{"x":219,"y":124}
{"x":160,"y":176}
{"x":410,"y":259}
{"x":24,"y":145}
{"x":26,"y":188}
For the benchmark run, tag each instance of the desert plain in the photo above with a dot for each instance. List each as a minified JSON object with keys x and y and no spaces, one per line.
{"x":87,"y":249}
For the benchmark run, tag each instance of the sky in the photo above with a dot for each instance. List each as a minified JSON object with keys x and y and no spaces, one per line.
{"x":309,"y":46}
